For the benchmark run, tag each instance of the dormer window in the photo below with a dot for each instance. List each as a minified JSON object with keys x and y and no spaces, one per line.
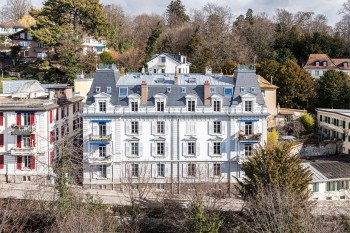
{"x":317,"y":63}
{"x":109,"y":89}
{"x":183,"y":89}
{"x":168,"y":89}
{"x":325,"y":63}
{"x":248,"y":106}
{"x":241,"y":89}
{"x":102,"y":106}
{"x":98,"y":89}
{"x":160,"y":106}
{"x":123,"y":91}
{"x":228,"y":91}
{"x":345,"y":64}
{"x":212,"y":90}
{"x":217,"y":105}
{"x":191,"y":105}
{"x":252,"y":89}
{"x":134,"y":106}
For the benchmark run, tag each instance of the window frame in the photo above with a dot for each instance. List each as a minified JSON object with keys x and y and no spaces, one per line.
{"x":217,"y":148}
{"x":217,"y":169}
{"x":160,"y":106}
{"x":123,"y":91}
{"x":102,"y":151}
{"x":160,"y":170}
{"x":191,"y":105}
{"x":217,"y":105}
{"x":248,"y":106}
{"x":134,"y":149}
{"x":135,"y":170}
{"x":191,"y":169}
{"x":103,"y":170}
{"x":26,"y":161}
{"x":160,"y":129}
{"x":102,"y":106}
{"x":191,"y":148}
{"x":228,"y":91}
{"x":248,"y":150}
{"x":217,"y":129}
{"x":160,"y":148}
{"x":134,"y":127}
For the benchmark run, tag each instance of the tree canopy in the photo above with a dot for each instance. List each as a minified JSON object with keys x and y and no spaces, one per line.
{"x":176,"y":13}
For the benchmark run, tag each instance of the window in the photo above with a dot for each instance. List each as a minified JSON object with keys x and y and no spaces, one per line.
{"x":248,"y":149}
{"x":160,"y":170}
{"x":134,"y":148}
{"x":154,"y":71}
{"x":191,"y":148}
{"x":29,"y":37}
{"x":134,"y":106}
{"x":191,"y":169}
{"x":330,"y":186}
{"x":241,"y":89}
{"x":22,"y":35}
{"x":160,"y":148}
{"x":160,"y":106}
{"x":212,"y":90}
{"x":162,"y":59}
{"x":135,"y":170}
{"x":160,"y":186}
{"x":228,"y":91}
{"x":103,"y":171}
{"x":102,"y":106}
{"x":26,"y":141}
{"x":248,"y":128}
{"x":26,"y":161}
{"x":217,"y":169}
{"x":263,"y":92}
{"x":183,"y":89}
{"x":179,"y":70}
{"x":98,"y":89}
{"x":160,"y":127}
{"x":109,"y":89}
{"x":102,"y":151}
{"x":317,"y":72}
{"x":134,"y":127}
{"x":345,"y":64}
{"x":217,"y":148}
{"x":217,"y":105}
{"x":217,"y":127}
{"x":191,"y":105}
{"x":317,"y":63}
{"x":123,"y":91}
{"x":315,"y":187}
{"x":252,"y":89}
{"x":248,"y":106}
{"x":163,"y":71}
{"x":26,"y":118}
{"x":102,"y":129}
{"x":325,"y":63}
{"x":24,"y":43}
{"x":168,"y":89}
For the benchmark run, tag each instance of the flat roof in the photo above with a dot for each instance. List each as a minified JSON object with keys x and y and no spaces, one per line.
{"x":343,"y":112}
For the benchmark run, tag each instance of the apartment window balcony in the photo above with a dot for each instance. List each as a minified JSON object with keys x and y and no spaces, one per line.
{"x":15,"y":151}
{"x":22,"y":129}
{"x":99,"y":160}
{"x":254,"y":137}
{"x":100,"y":138}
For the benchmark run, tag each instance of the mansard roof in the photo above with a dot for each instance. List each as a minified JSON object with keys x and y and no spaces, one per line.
{"x":187,"y":84}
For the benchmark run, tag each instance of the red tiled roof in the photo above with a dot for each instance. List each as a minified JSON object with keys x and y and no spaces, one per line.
{"x":332,"y":63}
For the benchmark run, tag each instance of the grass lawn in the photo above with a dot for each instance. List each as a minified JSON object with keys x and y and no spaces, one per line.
{"x":5,"y":78}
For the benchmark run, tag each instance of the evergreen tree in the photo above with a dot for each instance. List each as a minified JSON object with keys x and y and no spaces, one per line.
{"x":274,"y":167}
{"x":249,"y":16}
{"x":152,"y":42}
{"x":59,"y":16}
{"x":334,"y":90}
{"x":176,"y":13}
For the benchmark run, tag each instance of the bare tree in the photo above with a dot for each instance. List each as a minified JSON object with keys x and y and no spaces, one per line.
{"x":16,"y":9}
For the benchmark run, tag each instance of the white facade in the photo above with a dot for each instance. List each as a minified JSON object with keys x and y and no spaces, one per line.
{"x":169,"y":144}
{"x":93,"y":45}
{"x":167,"y":63}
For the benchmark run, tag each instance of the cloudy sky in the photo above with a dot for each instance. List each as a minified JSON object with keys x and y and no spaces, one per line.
{"x":326,"y":7}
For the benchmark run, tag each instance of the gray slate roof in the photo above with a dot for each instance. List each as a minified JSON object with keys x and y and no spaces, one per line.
{"x":132,"y":81}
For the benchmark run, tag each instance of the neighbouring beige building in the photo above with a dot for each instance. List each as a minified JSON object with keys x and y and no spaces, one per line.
{"x":335,"y":124}
{"x":269,"y":92}
{"x":285,"y":115}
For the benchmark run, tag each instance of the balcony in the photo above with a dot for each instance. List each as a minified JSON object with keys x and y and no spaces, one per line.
{"x":242,"y":159}
{"x":255,"y":137}
{"x":100,"y":138}
{"x":22,"y":129}
{"x":100,"y":160}
{"x":22,"y":151}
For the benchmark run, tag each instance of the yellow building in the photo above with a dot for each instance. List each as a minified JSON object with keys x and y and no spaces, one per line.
{"x":335,"y":124}
{"x":269,"y":92}
{"x":82,"y":85}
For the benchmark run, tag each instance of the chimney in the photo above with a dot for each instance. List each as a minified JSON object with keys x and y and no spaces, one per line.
{"x":144,"y":92}
{"x":208,"y":70}
{"x":206,"y":93}
{"x":122,"y":71}
{"x":176,"y":77}
{"x":143,"y":70}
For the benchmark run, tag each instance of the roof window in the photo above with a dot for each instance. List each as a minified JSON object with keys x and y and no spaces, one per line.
{"x":228,"y":91}
{"x":123,"y":91}
{"x":160,"y":80}
{"x":191,"y":80}
{"x":98,"y":89}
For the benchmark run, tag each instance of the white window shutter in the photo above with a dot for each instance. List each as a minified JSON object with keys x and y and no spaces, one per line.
{"x":193,"y":128}
{"x":109,"y":171}
{"x":127,"y":149}
{"x":153,"y":146}
{"x":154,"y":170}
{"x":167,"y":170}
{"x":92,"y":172}
{"x":109,"y":149}
{"x":94,"y":128}
{"x":166,"y":127}
{"x":140,"y":149}
{"x":109,"y":128}
{"x":223,"y":128}
{"x":223,"y":147}
{"x":210,"y":148}
{"x":197,"y":149}
{"x":154,"y":127}
{"x":255,"y":127}
{"x":140,"y":127}
{"x":211,"y":170}
{"x":241,"y":126}
{"x":127,"y":127}
{"x":166,"y":149}
{"x":211,"y":127}
{"x":184,"y":170}
{"x":184,"y":148}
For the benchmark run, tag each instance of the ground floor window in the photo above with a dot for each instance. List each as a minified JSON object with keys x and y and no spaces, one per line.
{"x":103,"y":171}
{"x":135,"y":170}
{"x":315,"y":187}
{"x":217,"y":169}
{"x":248,"y":149}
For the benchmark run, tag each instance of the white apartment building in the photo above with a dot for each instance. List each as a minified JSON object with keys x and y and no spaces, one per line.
{"x":168,"y":63}
{"x":90,"y":44}
{"x":335,"y":124}
{"x":171,"y":129}
{"x":32,"y":119}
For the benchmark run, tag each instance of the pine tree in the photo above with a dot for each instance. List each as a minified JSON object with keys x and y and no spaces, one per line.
{"x":274,"y":168}
{"x":152,"y":42}
{"x":334,"y":90}
{"x":176,"y":13}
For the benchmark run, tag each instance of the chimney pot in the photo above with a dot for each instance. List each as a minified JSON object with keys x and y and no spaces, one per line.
{"x":144,"y":92}
{"x":206,"y":93}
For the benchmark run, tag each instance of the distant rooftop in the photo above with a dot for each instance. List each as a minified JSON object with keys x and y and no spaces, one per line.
{"x":343,"y":112}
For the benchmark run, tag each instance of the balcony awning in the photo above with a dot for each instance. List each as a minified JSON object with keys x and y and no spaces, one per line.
{"x":100,"y":121}
{"x":252,"y":120}
{"x":250,"y":142}
{"x":100,"y":46}
{"x":99,"y":143}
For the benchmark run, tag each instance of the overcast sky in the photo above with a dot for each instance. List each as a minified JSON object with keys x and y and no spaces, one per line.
{"x":326,"y":7}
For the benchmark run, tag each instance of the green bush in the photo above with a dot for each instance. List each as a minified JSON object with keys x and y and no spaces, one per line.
{"x":308,"y":122}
